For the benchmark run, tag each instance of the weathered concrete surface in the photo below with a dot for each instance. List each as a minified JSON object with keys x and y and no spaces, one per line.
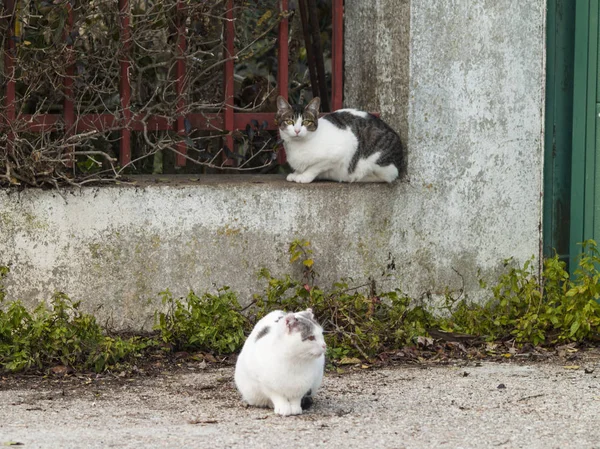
{"x":376,"y":70}
{"x":474,"y":113}
{"x":476,"y":101}
{"x":476,"y":121}
{"x":115,"y":248}
{"x":542,"y":406}
{"x":471,"y":111}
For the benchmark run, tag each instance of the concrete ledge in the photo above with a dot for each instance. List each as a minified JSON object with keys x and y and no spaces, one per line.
{"x":116,"y":247}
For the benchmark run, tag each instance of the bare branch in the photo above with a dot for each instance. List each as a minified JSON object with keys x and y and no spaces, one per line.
{"x":38,"y":146}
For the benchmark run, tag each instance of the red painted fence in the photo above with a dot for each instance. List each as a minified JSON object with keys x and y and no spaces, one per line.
{"x":229,"y":120}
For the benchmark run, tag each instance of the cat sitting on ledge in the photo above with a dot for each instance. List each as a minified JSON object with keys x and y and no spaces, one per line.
{"x":346,"y":146}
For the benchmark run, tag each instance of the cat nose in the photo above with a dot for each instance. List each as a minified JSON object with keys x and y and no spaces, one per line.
{"x":297,"y":131}
{"x":324,"y":346}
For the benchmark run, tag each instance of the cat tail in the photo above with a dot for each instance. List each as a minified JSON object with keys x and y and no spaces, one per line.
{"x":307,"y":401}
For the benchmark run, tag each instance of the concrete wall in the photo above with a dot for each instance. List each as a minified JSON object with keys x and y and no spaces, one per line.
{"x":465,"y":91}
{"x":377,"y":56}
{"x":471,"y":95}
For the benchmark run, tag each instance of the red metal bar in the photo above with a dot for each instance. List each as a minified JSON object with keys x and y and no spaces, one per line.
{"x":68,"y":105}
{"x":50,"y":122}
{"x":337,"y":54}
{"x":139,"y":122}
{"x":207,"y":122}
{"x":40,"y":122}
{"x":180,"y":146}
{"x":98,"y":122}
{"x":151,"y":123}
{"x":9,"y":72}
{"x":228,"y":83}
{"x":125,"y":83}
{"x":282,"y":64}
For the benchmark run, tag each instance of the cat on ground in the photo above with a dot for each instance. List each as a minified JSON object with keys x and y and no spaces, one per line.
{"x":346,"y":145}
{"x":281,"y":364}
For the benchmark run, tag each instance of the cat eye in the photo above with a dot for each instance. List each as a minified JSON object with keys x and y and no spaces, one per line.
{"x":289,"y":122}
{"x":311,"y":338}
{"x":307,"y":122}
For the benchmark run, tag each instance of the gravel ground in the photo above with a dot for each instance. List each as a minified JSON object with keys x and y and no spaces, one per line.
{"x":506,"y":405}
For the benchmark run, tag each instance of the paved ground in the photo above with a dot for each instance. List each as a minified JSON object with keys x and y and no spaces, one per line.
{"x":542,"y":406}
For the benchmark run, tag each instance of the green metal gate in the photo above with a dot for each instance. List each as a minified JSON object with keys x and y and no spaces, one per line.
{"x":585,"y":190}
{"x":572,"y":139}
{"x":559,"y":121}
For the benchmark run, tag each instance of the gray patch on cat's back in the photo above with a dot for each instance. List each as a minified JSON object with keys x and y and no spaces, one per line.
{"x":340,"y":119}
{"x":264,"y":331}
{"x":373,"y":134}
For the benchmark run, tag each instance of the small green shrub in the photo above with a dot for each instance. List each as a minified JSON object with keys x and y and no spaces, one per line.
{"x":208,"y":322}
{"x":4,"y":270}
{"x":59,"y":334}
{"x":358,"y":322}
{"x":554,"y":309}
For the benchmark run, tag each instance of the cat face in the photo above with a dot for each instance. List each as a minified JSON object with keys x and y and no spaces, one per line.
{"x":295,"y":122}
{"x":304,"y":336}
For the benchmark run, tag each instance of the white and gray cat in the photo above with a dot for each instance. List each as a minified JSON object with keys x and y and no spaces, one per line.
{"x":346,"y":145}
{"x":281,"y":364}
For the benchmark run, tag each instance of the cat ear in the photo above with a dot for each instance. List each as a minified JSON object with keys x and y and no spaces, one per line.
{"x":282,"y":103}
{"x":290,"y":321}
{"x":309,"y":312}
{"x":313,"y":106}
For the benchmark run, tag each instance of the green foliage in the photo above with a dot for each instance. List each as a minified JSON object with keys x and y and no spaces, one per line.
{"x":59,"y":334}
{"x":208,"y":322}
{"x":553,"y":309}
{"x":358,"y":321}
{"x":301,"y":248}
{"x":4,"y":270}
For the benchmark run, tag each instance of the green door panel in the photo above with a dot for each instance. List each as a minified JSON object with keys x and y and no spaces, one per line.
{"x":559,"y":121}
{"x":585,"y":191}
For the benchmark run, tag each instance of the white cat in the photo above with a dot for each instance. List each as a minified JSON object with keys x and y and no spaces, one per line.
{"x":281,"y":364}
{"x":346,"y":145}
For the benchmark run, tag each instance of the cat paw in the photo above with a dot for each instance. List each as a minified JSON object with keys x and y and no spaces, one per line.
{"x":304,"y":178}
{"x":296,"y":409}
{"x":291,"y":177}
{"x":258,"y":402}
{"x":284,"y":409}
